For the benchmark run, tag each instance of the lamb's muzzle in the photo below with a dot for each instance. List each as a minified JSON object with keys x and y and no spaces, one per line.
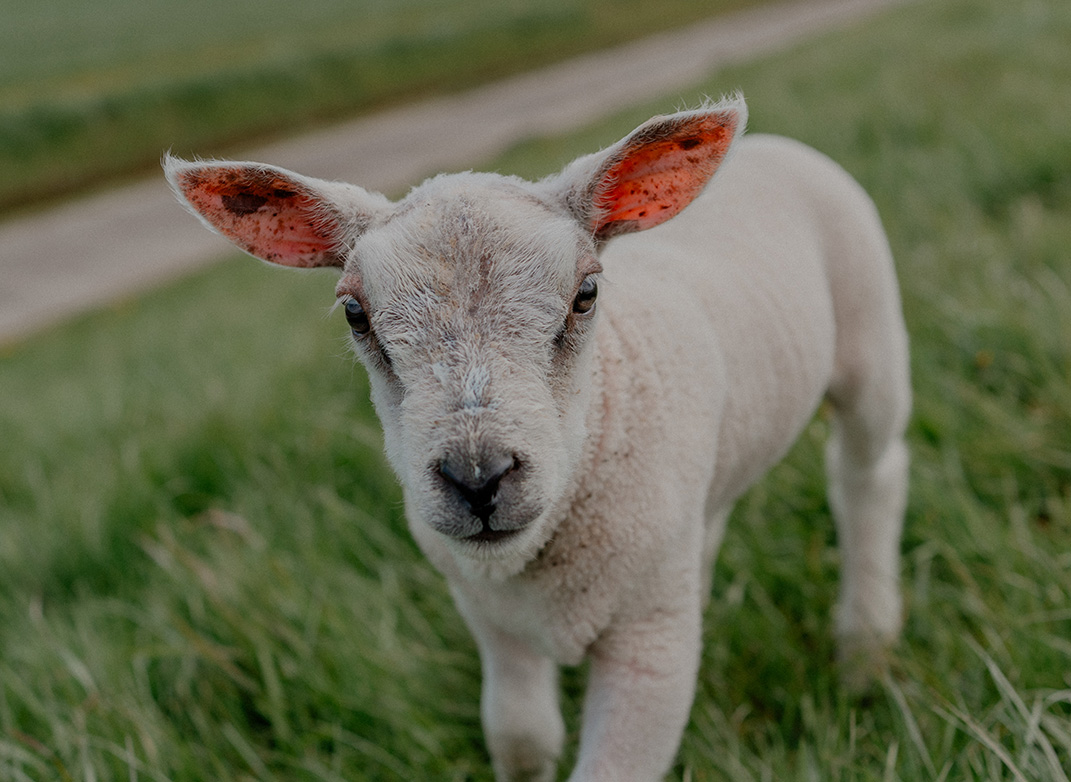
{"x":476,"y":482}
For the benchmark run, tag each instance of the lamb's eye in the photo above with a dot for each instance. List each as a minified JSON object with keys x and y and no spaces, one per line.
{"x":585,"y":296}
{"x":357,"y":318}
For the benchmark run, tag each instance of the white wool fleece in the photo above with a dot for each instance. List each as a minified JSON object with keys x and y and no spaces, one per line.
{"x":572,"y":411}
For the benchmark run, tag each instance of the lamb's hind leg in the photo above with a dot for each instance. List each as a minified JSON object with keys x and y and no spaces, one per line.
{"x":867,"y":462}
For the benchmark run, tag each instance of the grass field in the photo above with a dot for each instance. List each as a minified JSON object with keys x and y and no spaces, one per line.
{"x":204,"y":571}
{"x":93,"y":91}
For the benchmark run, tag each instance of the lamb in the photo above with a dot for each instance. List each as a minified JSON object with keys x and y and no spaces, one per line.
{"x":572,"y":403}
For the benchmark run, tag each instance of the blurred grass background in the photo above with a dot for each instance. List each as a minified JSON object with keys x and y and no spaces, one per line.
{"x":94,"y":91}
{"x":205,"y":572}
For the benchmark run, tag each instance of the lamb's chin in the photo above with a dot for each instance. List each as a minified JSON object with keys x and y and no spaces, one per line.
{"x":501,"y":558}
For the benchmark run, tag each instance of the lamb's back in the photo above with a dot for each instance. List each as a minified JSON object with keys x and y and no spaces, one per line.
{"x":734,"y":300}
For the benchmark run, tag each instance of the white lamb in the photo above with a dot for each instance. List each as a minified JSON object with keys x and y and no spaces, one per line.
{"x":570,"y":440}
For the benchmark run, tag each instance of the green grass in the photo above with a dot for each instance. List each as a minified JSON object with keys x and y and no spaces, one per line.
{"x":204,"y":570}
{"x":94,"y":91}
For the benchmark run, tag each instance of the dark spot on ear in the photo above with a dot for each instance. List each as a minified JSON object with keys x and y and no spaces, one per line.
{"x":243,"y":203}
{"x":690,"y":143}
{"x":284,"y":193}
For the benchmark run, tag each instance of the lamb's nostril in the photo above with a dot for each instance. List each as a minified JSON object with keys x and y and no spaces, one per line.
{"x":477,"y":482}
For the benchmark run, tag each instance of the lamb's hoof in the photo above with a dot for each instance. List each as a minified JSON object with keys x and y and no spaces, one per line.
{"x":543,"y":774}
{"x":863,"y":661}
{"x":523,"y":761}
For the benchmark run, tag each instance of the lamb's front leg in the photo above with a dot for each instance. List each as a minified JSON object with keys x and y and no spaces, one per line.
{"x":522,"y":722}
{"x":640,"y":690}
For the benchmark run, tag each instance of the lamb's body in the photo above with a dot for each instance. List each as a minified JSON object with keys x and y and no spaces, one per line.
{"x":682,"y":412}
{"x":625,"y":445}
{"x":689,"y":409}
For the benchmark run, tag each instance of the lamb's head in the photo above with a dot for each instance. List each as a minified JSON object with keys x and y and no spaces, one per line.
{"x":472,"y":303}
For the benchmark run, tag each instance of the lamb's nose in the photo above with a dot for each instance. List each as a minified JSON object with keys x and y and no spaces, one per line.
{"x":477,"y":482}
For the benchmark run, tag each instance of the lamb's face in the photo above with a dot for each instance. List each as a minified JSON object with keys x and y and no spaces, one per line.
{"x":473,"y":306}
{"x":471,"y":303}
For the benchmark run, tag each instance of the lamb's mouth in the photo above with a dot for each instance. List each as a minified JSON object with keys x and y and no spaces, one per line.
{"x":488,"y":535}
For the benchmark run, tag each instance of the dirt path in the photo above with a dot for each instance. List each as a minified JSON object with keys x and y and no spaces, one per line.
{"x":87,"y":253}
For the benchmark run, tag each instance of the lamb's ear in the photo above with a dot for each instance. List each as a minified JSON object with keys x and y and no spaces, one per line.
{"x":653,"y":173}
{"x":274,"y":214}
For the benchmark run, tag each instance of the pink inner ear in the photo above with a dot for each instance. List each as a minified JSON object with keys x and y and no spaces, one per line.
{"x":264,"y":213}
{"x":656,"y":179}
